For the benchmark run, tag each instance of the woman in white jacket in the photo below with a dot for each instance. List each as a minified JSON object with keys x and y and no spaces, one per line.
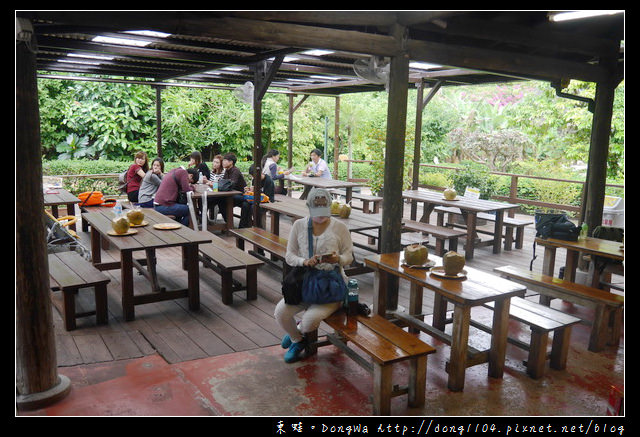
{"x":332,"y":245}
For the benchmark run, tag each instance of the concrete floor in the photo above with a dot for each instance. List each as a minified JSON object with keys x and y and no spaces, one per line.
{"x":258,"y":383}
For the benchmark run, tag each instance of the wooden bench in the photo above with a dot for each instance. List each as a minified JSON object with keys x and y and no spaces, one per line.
{"x":386,"y":344}
{"x":541,"y":320}
{"x":224,"y":258}
{"x":440,"y":233}
{"x":263,"y":240}
{"x":367,"y":201}
{"x":69,"y":272}
{"x":607,"y":323}
{"x":509,"y":224}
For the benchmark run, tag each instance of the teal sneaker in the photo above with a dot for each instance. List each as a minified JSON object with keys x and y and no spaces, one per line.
{"x":293,"y":354}
{"x":286,"y":342}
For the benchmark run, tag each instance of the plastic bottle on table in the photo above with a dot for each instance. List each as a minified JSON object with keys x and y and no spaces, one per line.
{"x":352,"y":298}
{"x":117,"y":209}
{"x":584,"y":230}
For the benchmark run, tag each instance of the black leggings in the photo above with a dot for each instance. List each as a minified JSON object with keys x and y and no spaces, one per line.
{"x":133,"y":196}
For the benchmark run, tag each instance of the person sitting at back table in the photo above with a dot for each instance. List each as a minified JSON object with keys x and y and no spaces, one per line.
{"x":233,"y":173}
{"x":266,"y":184}
{"x":317,"y":167}
{"x":195,"y":161}
{"x":217,"y":171}
{"x":166,"y":198}
{"x":151,"y":183}
{"x":270,"y":168}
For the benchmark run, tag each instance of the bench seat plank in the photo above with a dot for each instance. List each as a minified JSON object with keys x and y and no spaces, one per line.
{"x":607,"y":323}
{"x":365,"y":198}
{"x":579,"y":291}
{"x":264,"y":239}
{"x":226,"y":254}
{"x":440,"y":233}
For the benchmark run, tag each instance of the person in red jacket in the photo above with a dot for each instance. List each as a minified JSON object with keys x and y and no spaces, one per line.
{"x":136,"y":172}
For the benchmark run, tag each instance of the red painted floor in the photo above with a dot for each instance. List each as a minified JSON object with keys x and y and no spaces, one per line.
{"x":259,"y":383}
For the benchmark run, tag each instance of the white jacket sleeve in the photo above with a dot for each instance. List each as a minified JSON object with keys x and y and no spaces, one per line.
{"x":292,"y":258}
{"x":346,"y":245}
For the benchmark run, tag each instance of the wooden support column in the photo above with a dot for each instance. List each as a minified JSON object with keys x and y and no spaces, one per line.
{"x":336,"y":142}
{"x":159,"y":120}
{"x":290,"y":141}
{"x":598,"y":153}
{"x":37,"y":381}
{"x":292,"y":109}
{"x":263,"y":75}
{"x":392,"y":203}
{"x":420,"y":105}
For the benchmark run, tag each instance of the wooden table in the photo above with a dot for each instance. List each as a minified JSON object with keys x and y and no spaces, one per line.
{"x":597,"y":247}
{"x":54,"y":197}
{"x":329,"y":184}
{"x":476,"y":289}
{"x":469,"y":208}
{"x":148,"y":239}
{"x":199,"y":195}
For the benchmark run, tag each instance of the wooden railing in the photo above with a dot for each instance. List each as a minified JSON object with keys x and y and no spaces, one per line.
{"x":513,"y":191}
{"x":511,"y":198}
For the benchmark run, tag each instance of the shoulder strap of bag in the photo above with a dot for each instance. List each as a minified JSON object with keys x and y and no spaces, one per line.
{"x":310,"y":243}
{"x":85,"y":200}
{"x":177,"y":183}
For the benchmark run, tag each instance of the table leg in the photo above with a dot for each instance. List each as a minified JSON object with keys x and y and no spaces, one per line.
{"x":305,"y":192}
{"x":348,"y":195}
{"x":549,"y":260}
{"x":471,"y":235}
{"x":380,"y":293}
{"x":96,"y":256}
{"x":571,"y":265}
{"x":229,"y":206}
{"x":126,"y":282}
{"x":427,"y":208}
{"x":275,"y":223}
{"x":497,"y":231}
{"x":439,"y":312}
{"x":151,"y":268}
{"x":414,"y":209}
{"x":190,"y":253}
{"x":415,"y":304}
{"x":459,"y":346}
{"x":499,"y":331}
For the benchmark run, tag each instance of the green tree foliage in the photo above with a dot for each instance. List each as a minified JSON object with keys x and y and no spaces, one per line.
{"x":525,"y":119}
{"x":116,"y":119}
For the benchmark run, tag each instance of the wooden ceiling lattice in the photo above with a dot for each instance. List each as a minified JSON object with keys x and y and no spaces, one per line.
{"x":220,"y":47}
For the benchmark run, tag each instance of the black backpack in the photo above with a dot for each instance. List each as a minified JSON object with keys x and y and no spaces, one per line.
{"x":558,"y":226}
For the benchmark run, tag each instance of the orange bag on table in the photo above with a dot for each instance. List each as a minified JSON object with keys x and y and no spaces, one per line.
{"x":95,"y":198}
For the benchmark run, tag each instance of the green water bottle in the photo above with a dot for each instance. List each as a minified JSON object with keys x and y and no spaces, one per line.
{"x":584,"y":229}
